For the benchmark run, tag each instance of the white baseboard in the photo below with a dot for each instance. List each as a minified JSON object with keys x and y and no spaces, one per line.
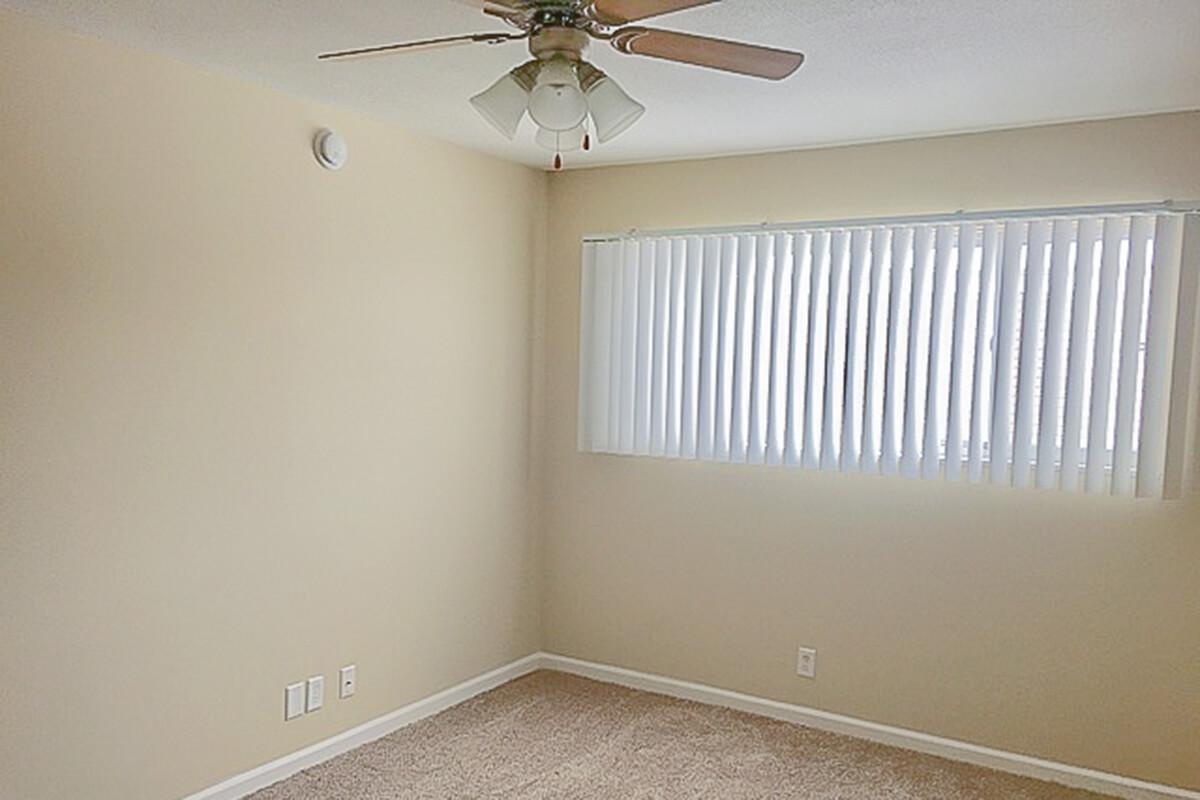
{"x":261,"y":777}
{"x":1014,"y":763}
{"x":1078,"y":777}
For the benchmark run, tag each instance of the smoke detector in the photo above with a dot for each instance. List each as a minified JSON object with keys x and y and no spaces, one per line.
{"x":330,"y":149}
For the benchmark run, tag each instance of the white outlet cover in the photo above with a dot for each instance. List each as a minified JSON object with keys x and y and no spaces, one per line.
{"x":806,"y":663}
{"x":293,"y":701}
{"x":347,"y":681}
{"x":316,"y":693}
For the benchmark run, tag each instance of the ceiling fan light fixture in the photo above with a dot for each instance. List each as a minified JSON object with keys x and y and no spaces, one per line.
{"x":613,"y":111}
{"x":503,"y":104}
{"x":557,"y":103}
{"x":560,"y":90}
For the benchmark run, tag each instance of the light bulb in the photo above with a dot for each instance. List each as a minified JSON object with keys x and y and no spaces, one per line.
{"x":557,"y":103}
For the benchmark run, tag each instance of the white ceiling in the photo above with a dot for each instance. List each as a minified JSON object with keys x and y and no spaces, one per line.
{"x":877,"y":69}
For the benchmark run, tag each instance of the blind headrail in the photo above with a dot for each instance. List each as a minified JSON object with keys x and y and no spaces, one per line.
{"x":1161,"y":207}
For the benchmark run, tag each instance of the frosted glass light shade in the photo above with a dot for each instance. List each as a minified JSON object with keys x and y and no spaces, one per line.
{"x":613,"y":111}
{"x":561,"y":141}
{"x":503,"y":105}
{"x":556,"y":102}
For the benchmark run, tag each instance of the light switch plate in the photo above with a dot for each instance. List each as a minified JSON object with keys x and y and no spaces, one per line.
{"x":293,"y":701}
{"x":316,"y":693}
{"x":347,"y":681}
{"x":806,"y":663}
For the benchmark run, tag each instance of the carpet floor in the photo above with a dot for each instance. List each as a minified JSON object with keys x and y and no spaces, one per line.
{"x":551,"y":735}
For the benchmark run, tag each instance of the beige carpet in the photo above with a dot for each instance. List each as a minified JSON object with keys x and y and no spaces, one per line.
{"x":550,"y":735}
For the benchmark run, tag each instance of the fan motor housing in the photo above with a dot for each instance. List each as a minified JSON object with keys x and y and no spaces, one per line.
{"x":558,"y":42}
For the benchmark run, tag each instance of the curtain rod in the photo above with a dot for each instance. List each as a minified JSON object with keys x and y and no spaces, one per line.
{"x":1165,"y":206}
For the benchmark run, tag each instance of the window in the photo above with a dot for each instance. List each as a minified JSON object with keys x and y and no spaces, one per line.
{"x":1032,"y":350}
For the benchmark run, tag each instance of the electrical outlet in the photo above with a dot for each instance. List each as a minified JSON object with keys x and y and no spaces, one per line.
{"x":806,"y":663}
{"x":316,"y":693}
{"x":293,"y":701}
{"x":348,"y":679}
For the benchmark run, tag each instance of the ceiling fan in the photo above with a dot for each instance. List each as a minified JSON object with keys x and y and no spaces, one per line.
{"x":564,"y":94}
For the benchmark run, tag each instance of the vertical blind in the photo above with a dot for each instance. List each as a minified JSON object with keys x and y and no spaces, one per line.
{"x":1023,"y":350}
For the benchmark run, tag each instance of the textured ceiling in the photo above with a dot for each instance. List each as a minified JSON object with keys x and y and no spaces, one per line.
{"x":877,"y":69}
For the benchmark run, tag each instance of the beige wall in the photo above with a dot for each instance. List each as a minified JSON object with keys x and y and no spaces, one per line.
{"x":1062,"y":626}
{"x":257,"y":420}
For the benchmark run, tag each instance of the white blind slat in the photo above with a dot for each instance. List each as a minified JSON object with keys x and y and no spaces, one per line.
{"x":727,"y":347}
{"x":760,"y":346}
{"x":818,"y":323}
{"x":1099,"y":415}
{"x":644,"y":336}
{"x":628,"y":354}
{"x":600,"y":322}
{"x":660,"y":326}
{"x":693,"y":292}
{"x":675,"y":348}
{"x":587,"y":360}
{"x":587,"y":320}
{"x":795,"y":437}
{"x":937,"y":401}
{"x":1054,"y":372}
{"x":1163,"y":311}
{"x":743,"y":347}
{"x":1083,"y":314}
{"x":960,"y":373}
{"x":1030,"y":363}
{"x":616,"y":269}
{"x":918,"y":341}
{"x":1187,"y":310}
{"x":876,"y":350}
{"x":778,"y":367}
{"x":710,"y":344}
{"x":835,"y":350}
{"x":856,"y":350}
{"x":1009,"y":321}
{"x":1140,"y":235}
{"x":893,"y":405}
{"x":985,"y":353}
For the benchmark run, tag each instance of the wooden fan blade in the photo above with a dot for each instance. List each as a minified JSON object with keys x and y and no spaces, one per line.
{"x":505,"y":9}
{"x":503,"y":5}
{"x":702,"y":51}
{"x":424,"y":44}
{"x":620,"y":12}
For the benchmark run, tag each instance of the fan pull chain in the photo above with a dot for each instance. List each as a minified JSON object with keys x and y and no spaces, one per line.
{"x":586,"y":144}
{"x":558,"y":159}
